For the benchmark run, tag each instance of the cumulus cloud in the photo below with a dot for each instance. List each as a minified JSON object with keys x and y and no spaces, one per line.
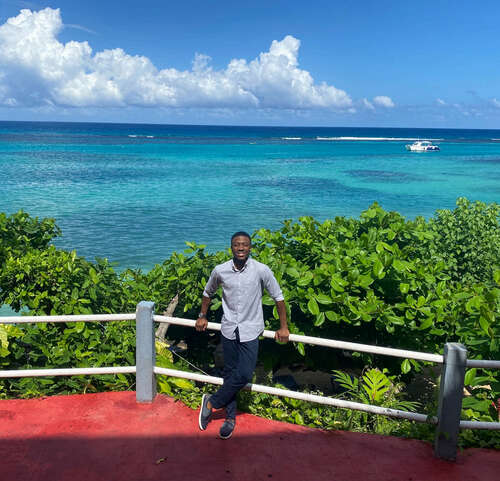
{"x":440,"y":102}
{"x":496,"y":102}
{"x":39,"y":70}
{"x":383,"y":101}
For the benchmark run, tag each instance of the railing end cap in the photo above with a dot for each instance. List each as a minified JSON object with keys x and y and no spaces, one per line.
{"x":146,"y":305}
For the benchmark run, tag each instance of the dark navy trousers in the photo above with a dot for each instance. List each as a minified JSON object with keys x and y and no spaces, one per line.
{"x":240,"y":359}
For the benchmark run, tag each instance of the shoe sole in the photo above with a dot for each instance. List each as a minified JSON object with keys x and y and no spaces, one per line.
{"x":201,"y":410}
{"x":225,"y":437}
{"x":229,"y":435}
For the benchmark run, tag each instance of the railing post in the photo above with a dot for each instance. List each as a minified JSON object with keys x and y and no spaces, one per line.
{"x":145,"y":353}
{"x":450,"y":400}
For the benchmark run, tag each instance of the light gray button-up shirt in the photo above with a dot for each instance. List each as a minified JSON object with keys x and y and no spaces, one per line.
{"x":242,"y":297}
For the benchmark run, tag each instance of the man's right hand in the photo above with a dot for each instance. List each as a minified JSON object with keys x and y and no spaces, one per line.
{"x":201,"y":324}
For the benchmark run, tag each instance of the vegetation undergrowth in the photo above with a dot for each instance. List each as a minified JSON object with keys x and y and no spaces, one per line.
{"x":381,"y":279}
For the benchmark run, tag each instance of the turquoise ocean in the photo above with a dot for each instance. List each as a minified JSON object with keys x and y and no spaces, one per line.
{"x":135,"y":193}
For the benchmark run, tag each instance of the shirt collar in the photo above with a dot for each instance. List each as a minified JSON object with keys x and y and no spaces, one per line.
{"x":243,"y":268}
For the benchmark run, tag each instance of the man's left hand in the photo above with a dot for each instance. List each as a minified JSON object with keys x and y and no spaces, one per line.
{"x":282,"y":334}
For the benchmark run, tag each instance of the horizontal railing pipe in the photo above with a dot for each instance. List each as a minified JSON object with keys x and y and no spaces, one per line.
{"x":68,"y":372}
{"x":369,"y":408}
{"x":68,"y":318}
{"x":318,"y":341}
{"x":491,"y":426}
{"x":483,"y":364}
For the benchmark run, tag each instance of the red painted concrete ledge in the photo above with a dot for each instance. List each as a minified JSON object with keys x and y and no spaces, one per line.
{"x":109,"y":437}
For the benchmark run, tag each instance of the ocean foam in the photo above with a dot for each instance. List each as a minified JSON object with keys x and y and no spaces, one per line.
{"x":379,"y":139}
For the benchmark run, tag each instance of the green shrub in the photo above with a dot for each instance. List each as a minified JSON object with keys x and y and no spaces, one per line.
{"x":380,"y":279}
{"x":468,"y":239}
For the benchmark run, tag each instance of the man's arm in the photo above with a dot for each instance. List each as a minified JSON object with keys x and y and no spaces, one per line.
{"x":282,"y":333}
{"x":274,"y":290}
{"x":201,"y":322}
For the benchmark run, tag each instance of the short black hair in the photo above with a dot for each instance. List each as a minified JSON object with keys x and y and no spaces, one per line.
{"x":241,"y":233}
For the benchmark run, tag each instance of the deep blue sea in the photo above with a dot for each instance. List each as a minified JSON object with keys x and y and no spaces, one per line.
{"x":136,"y":193}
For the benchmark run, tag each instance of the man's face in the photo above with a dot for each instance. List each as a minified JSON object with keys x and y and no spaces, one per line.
{"x":240,"y":247}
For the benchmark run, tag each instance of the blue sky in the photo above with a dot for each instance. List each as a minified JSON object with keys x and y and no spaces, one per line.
{"x":327,"y":63}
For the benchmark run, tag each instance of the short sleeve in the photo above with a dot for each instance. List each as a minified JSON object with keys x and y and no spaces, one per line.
{"x":271,"y":284}
{"x":212,"y":284}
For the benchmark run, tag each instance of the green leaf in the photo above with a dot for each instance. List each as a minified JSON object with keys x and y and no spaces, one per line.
{"x":337,"y":284}
{"x":406,"y":366}
{"x":320,"y":319}
{"x":79,"y":327}
{"x":470,"y":376}
{"x":378,"y":269}
{"x":182,"y":383}
{"x":323,"y":298}
{"x":426,"y":323}
{"x":293,"y":272}
{"x":365,"y":281}
{"x":165,"y":387}
{"x":313,"y":307}
{"x":404,"y":287}
{"x":298,"y":418}
{"x":305,"y":279}
{"x":398,"y":265}
{"x":267,"y":300}
{"x":485,"y":325}
{"x":473,"y":304}
{"x":481,"y":405}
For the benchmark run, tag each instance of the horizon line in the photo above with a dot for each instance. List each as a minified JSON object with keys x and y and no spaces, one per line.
{"x":237,"y":125}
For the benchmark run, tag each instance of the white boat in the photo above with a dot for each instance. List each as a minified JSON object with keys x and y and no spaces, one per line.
{"x":422,"y":146}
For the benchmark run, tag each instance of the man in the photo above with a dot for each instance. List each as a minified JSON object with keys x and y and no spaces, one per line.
{"x":242,"y":280}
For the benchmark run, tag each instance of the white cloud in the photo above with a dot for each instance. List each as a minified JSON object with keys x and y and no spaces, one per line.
{"x":39,"y":70}
{"x":383,"y":101}
{"x":496,"y":102}
{"x":440,"y":102}
{"x":79,"y":27}
{"x":367,"y":104}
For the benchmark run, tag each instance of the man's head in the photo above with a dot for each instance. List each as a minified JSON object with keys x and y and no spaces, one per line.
{"x":241,"y":245}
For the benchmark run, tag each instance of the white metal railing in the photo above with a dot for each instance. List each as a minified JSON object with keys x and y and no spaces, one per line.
{"x":319,"y":341}
{"x":67,"y":318}
{"x":339,"y":403}
{"x":68,"y":371}
{"x":77,"y":371}
{"x":454,"y":363}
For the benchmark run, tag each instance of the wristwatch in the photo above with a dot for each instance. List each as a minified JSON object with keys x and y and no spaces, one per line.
{"x":202,"y":314}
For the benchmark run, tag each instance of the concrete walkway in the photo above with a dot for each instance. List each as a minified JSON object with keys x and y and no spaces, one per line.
{"x":109,"y":437}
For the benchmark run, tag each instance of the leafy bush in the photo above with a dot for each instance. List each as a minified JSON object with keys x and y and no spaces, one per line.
{"x":380,"y":279}
{"x":373,"y":387}
{"x":468,"y":239}
{"x":20,"y":233}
